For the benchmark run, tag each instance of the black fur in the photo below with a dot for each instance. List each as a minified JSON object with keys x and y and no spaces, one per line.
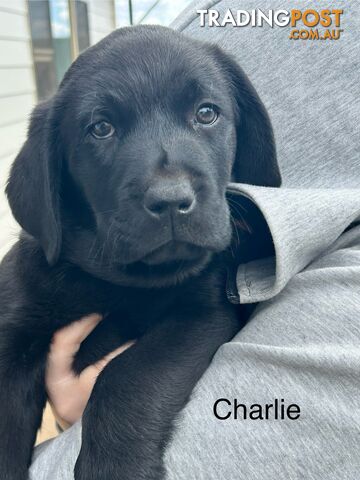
{"x":89,"y":243}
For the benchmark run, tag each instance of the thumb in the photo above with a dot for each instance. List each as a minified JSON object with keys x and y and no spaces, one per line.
{"x":64,"y":346}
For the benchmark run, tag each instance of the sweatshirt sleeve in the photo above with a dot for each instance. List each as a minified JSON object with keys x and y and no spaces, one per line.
{"x":304,"y":223}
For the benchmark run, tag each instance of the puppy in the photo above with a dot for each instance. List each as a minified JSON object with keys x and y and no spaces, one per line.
{"x":120,"y":190}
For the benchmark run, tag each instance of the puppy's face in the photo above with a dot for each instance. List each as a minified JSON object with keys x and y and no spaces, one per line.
{"x":147,"y":127}
{"x":150,"y":138}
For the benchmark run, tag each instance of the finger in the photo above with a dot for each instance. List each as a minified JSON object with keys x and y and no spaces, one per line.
{"x":90,"y":373}
{"x":73,"y":334}
{"x":65,"y":344}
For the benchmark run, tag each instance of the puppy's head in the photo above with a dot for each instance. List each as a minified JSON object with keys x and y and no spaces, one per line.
{"x":125,"y":169}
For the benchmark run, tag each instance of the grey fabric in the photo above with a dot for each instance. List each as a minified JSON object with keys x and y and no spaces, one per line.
{"x":302,"y":343}
{"x":312,"y":92}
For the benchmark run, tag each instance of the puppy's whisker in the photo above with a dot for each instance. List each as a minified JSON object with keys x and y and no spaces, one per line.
{"x":120,"y":236}
{"x":92,"y":247}
{"x":237,"y":213}
{"x":236,"y":230}
{"x":100,"y":248}
{"x":114,"y":243}
{"x":242,"y":223}
{"x":235,"y":203}
{"x":107,"y":239}
{"x":239,"y":218}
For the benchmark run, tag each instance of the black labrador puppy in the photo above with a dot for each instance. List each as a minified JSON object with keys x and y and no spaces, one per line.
{"x":121,"y":192}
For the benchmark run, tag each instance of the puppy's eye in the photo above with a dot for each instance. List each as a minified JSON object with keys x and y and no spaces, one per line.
{"x":102,"y":129}
{"x":207,"y":114}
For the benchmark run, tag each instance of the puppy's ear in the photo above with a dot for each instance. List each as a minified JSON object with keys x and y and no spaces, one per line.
{"x":34,"y":182}
{"x":255,"y":161}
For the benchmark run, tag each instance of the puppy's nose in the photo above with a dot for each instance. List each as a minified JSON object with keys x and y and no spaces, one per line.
{"x":163,"y":198}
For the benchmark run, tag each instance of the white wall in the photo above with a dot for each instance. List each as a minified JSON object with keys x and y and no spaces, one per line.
{"x":17,"y":97}
{"x":18,"y":88}
{"x":101,"y":18}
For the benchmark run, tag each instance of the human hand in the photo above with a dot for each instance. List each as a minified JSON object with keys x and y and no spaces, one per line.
{"x":69,"y":393}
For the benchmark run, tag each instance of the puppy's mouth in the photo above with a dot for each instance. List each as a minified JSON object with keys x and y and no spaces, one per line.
{"x":169,"y":263}
{"x":173,"y":252}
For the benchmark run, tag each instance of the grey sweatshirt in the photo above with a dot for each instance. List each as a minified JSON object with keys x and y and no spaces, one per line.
{"x":302,"y":344}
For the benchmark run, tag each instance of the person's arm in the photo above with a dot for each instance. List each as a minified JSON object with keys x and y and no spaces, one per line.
{"x":302,"y":346}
